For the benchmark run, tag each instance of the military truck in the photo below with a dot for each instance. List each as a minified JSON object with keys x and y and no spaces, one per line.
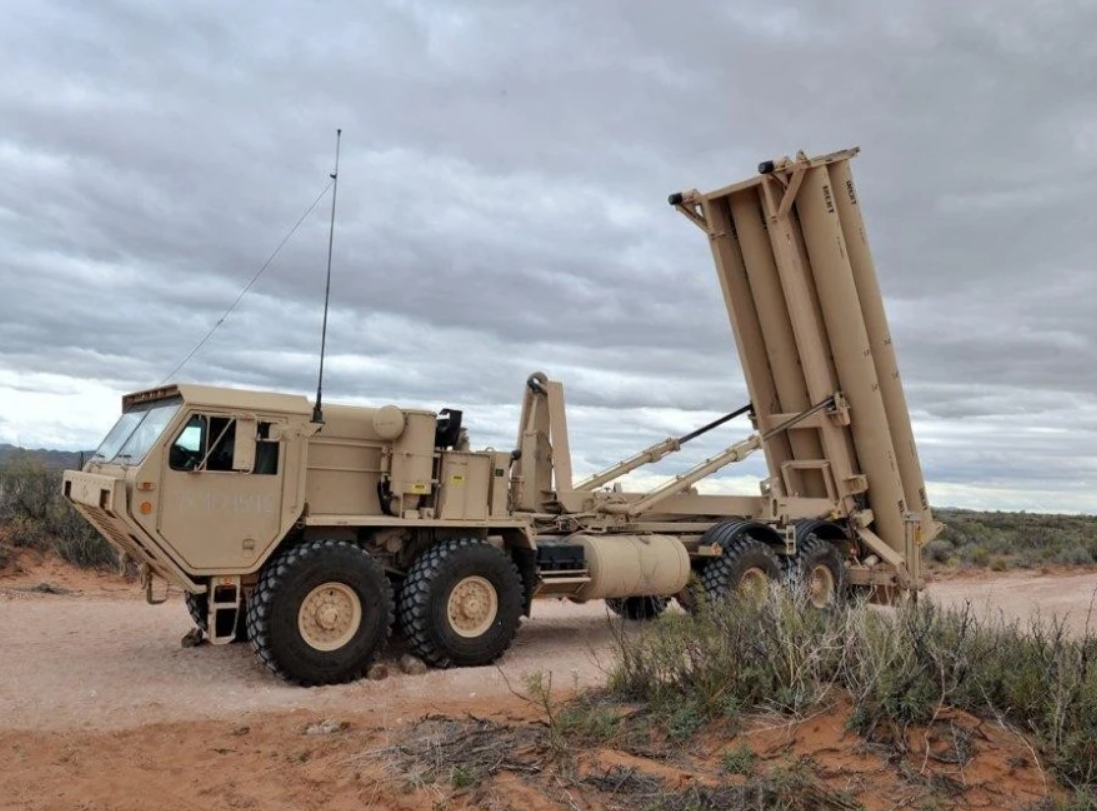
{"x":313,"y":536}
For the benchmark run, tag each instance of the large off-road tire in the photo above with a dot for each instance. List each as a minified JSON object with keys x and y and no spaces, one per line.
{"x":747,"y":567}
{"x":638,"y":608}
{"x":198,"y":608}
{"x":320,"y":613}
{"x":819,"y":572}
{"x":461,"y":603}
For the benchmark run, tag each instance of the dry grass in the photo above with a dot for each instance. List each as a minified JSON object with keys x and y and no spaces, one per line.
{"x":451,"y":758}
{"x":901,"y":668}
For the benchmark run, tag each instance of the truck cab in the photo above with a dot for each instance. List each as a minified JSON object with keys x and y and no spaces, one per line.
{"x":197,"y":480}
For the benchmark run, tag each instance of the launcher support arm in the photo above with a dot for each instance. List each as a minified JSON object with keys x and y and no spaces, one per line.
{"x":645,"y":457}
{"x":655,"y":452}
{"x":736,"y":453}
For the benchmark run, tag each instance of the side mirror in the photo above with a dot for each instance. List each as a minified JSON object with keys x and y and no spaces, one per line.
{"x":243,"y":449}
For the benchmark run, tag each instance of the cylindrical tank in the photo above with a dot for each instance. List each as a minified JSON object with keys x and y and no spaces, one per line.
{"x":780,"y":342}
{"x":412,"y":470}
{"x":728,"y":255}
{"x":883,"y":351}
{"x":852,"y":354}
{"x":633,"y":565}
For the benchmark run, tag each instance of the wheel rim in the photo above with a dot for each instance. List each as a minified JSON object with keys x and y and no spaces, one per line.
{"x":821,"y":586}
{"x":330,"y":616}
{"x":754,"y":584}
{"x":472,"y":606}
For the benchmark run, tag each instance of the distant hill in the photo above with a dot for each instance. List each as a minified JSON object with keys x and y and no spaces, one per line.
{"x":51,"y":459}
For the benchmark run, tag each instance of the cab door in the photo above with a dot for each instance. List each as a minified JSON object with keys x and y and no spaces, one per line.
{"x":222,"y":490}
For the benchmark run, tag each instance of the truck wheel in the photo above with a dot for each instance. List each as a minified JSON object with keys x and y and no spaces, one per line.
{"x":197,"y":607}
{"x":460,"y":603}
{"x":320,"y":613}
{"x":638,"y":608}
{"x":818,"y":569}
{"x":747,"y":567}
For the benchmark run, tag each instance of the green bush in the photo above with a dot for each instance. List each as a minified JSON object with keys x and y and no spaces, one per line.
{"x":741,"y":655}
{"x":977,"y":554}
{"x":36,"y":515}
{"x":940,"y":550}
{"x":1015,"y":539}
{"x":1074,"y":556}
{"x":739,"y":760}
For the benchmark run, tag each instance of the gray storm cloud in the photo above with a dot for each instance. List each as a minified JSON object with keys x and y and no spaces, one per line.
{"x":502,"y":209}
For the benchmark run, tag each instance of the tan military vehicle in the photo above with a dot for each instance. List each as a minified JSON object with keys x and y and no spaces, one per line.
{"x":312,"y":538}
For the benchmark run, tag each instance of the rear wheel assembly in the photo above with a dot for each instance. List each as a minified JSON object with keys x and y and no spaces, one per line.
{"x":460,"y":603}
{"x":320,"y":613}
{"x":638,"y":608}
{"x":747,"y":567}
{"x":819,"y":571}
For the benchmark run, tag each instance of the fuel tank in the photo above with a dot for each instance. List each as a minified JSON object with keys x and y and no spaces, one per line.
{"x":632,"y":565}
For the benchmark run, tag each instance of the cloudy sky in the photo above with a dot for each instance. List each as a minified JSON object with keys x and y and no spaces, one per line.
{"x":502,"y":209}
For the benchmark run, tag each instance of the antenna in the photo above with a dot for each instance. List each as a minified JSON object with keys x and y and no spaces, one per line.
{"x":317,"y":410}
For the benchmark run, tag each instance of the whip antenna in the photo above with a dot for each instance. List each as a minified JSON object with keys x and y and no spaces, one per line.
{"x":317,"y":410}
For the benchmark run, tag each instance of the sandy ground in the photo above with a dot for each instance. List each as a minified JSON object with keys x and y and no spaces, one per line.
{"x":107,"y":663}
{"x":101,"y":658}
{"x":1026,"y":596}
{"x":100,"y":704}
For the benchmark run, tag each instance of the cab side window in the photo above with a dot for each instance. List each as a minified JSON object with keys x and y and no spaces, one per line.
{"x":205,"y":443}
{"x":221,"y":438}
{"x":266,"y":452}
{"x":189,"y":447}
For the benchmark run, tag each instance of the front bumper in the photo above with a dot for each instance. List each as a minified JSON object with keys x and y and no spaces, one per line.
{"x":104,"y":502}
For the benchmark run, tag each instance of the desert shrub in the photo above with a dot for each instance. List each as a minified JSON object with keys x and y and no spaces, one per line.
{"x":1022,"y":539}
{"x":900,"y":667}
{"x":1027,"y":559}
{"x":1073,"y":556}
{"x":37,"y":516}
{"x":587,"y":720}
{"x":939,"y":550}
{"x":739,"y":760}
{"x":976,"y":554}
{"x":739,"y":656}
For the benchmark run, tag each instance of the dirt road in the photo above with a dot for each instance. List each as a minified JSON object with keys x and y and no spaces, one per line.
{"x":101,"y":708}
{"x":108,"y":661}
{"x":1026,"y":596}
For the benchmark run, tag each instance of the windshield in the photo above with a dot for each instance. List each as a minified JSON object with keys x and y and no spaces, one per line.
{"x":136,"y":431}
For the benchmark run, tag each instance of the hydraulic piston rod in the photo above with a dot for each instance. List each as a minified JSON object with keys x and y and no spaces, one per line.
{"x":736,"y":453}
{"x":656,"y":452}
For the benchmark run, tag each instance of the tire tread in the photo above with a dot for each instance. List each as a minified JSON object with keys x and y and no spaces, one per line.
{"x":415,"y":595}
{"x":259,"y":606}
{"x":716,"y":575}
